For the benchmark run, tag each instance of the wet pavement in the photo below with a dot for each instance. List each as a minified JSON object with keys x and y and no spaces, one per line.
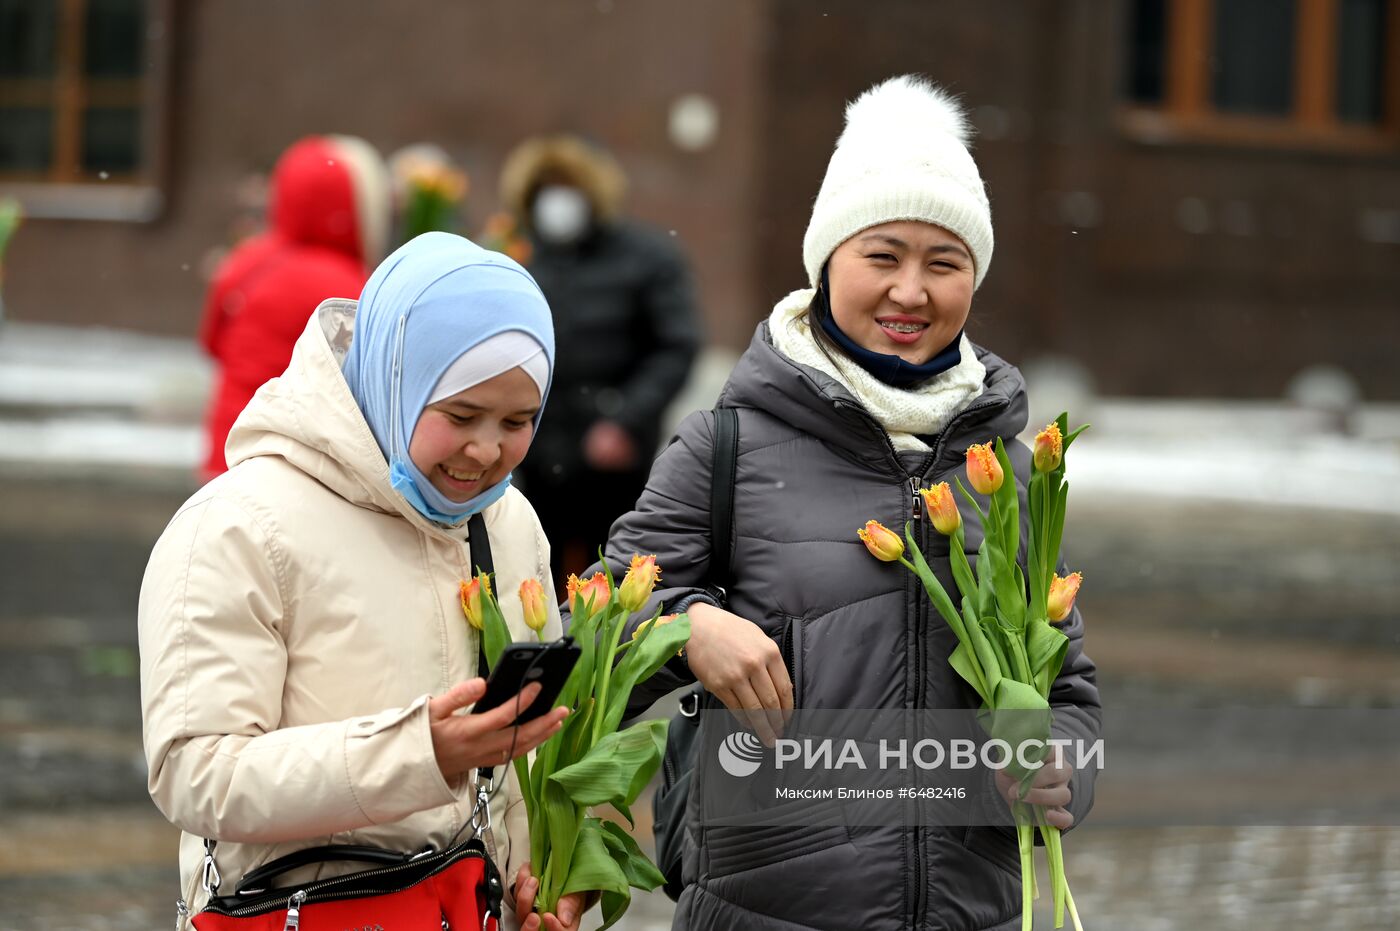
{"x":1189,"y":605}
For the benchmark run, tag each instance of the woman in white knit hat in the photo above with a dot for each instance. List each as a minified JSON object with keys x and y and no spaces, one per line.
{"x":855,"y":393}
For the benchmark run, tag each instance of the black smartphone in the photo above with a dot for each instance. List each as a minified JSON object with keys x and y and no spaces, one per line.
{"x":549,"y":664}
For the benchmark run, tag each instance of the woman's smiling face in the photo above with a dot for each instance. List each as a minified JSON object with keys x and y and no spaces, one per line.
{"x":902,"y":288}
{"x":466,"y":443}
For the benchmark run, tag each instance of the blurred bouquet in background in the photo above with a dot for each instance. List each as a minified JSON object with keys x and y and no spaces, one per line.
{"x":10,"y":216}
{"x":502,"y":233}
{"x":429,"y":190}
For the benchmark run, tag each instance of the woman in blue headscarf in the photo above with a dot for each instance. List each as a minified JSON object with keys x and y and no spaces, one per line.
{"x":303,"y":651}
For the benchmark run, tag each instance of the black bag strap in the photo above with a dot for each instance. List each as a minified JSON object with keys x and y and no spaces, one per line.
{"x":723,"y":469}
{"x":726,"y":460}
{"x":480,"y":544}
{"x":481,"y":561}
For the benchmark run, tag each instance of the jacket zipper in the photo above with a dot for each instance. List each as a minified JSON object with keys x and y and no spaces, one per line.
{"x":916,"y":528}
{"x":919,"y":606}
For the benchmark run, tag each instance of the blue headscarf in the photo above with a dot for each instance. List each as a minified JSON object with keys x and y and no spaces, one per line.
{"x":435,"y":298}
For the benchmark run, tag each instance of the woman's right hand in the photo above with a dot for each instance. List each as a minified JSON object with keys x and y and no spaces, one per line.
{"x":742,"y":666}
{"x":463,"y":742}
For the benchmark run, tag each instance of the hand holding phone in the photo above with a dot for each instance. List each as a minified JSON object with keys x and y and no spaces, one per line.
{"x":523,"y":664}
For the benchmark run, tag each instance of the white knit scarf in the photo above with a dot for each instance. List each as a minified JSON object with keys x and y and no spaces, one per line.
{"x":904,"y":414}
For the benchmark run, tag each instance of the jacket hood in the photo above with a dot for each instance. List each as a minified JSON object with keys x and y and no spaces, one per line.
{"x":568,"y":159}
{"x":308,"y":418}
{"x":816,"y":403}
{"x":332,"y":191}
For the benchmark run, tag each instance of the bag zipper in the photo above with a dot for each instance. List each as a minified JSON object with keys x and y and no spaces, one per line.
{"x":317,"y":891}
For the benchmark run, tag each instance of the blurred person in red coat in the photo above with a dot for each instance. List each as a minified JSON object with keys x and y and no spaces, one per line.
{"x":328,"y":223}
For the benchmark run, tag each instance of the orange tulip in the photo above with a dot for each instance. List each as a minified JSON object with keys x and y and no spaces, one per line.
{"x":637,"y":585}
{"x":595,"y":587}
{"x":471,"y":600}
{"x":942,"y":509}
{"x":983,"y":468}
{"x":1049,"y":449}
{"x":882,"y":542}
{"x":532,"y":599}
{"x":1062,"y":593}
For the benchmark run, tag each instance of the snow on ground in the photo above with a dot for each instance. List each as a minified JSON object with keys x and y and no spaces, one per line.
{"x":93,"y":399}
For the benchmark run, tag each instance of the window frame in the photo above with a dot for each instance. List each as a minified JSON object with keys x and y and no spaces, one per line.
{"x":1187,"y":115}
{"x":62,"y":193}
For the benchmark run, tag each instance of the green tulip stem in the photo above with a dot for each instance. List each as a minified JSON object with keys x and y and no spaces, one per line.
{"x":542,"y":897}
{"x":603,"y":682}
{"x":1025,"y":840}
{"x":522,"y":775}
{"x":1020,"y":659}
{"x":1048,"y":560}
{"x":962,"y":569}
{"x":1073,"y":912}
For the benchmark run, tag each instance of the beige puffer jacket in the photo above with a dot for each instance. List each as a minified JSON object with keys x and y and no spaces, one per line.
{"x":295,"y":617}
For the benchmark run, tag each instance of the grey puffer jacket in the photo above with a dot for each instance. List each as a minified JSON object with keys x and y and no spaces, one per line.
{"x":813,"y":466}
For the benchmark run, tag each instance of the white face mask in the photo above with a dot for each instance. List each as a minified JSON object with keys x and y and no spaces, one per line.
{"x":561,"y":214}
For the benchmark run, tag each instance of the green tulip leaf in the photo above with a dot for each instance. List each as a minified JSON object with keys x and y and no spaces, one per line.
{"x":965,"y":664}
{"x":561,"y":818}
{"x":646,"y":655}
{"x":982,"y":648}
{"x":613,"y":905}
{"x":936,"y":593}
{"x":495,"y":633}
{"x":1019,"y":714}
{"x":636,"y":866}
{"x":1045,"y":648}
{"x":617,"y":768}
{"x":592,"y":867}
{"x":986,"y":587}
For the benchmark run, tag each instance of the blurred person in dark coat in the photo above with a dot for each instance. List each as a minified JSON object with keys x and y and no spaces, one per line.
{"x":625,"y":322}
{"x":328,"y":222}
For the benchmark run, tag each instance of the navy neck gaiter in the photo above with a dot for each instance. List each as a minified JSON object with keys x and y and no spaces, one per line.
{"x":890,"y":369}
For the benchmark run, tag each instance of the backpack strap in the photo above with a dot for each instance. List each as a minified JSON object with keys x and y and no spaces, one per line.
{"x":726,"y":459}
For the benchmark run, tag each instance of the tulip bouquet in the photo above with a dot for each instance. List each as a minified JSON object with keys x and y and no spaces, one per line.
{"x":433,"y":194}
{"x":590,"y":762}
{"x":1008,"y":649}
{"x":502,"y":233}
{"x":10,"y":216}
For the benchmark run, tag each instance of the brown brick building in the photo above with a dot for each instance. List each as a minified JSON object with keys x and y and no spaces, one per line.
{"x":1191,"y":197}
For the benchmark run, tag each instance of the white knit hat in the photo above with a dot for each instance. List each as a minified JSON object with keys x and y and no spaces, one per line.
{"x":902,"y":156}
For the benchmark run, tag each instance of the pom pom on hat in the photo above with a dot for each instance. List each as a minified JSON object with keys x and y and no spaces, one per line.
{"x":908,"y":99}
{"x":902,"y":156}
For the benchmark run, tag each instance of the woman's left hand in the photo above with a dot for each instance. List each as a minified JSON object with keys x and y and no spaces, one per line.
{"x":571,"y":906}
{"x":1050,"y":789}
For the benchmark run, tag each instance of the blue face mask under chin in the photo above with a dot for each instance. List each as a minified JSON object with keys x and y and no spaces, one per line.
{"x":419,"y":492}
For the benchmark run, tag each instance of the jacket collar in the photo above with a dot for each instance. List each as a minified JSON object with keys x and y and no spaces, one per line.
{"x":308,"y":418}
{"x":817,"y":404}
